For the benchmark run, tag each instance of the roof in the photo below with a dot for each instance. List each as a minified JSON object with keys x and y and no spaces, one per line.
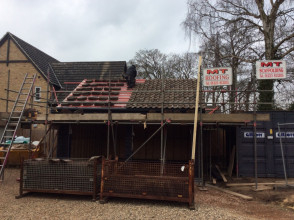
{"x":147,"y":94}
{"x":178,"y":94}
{"x":98,"y":94}
{"x":39,"y":59}
{"x":78,"y":71}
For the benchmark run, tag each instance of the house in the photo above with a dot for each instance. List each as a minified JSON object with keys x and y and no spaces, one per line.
{"x":95,"y":97}
{"x":94,"y":113}
{"x":17,"y":58}
{"x":100,"y":116}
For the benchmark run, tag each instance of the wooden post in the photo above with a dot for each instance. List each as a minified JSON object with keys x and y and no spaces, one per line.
{"x":196,"y":109}
{"x":191,"y":185}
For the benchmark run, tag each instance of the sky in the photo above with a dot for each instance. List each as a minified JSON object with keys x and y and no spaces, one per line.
{"x":97,"y":30}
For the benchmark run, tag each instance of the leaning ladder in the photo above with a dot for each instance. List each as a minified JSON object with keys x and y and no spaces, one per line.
{"x":14,"y":120}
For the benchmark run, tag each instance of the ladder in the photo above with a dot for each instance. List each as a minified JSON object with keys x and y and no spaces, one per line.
{"x":14,"y":120}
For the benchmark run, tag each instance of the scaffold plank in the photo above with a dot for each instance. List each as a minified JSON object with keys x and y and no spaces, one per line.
{"x":174,"y":117}
{"x":189,"y":117}
{"x":94,"y":117}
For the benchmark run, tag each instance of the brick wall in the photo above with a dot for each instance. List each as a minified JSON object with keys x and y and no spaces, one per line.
{"x":17,"y":73}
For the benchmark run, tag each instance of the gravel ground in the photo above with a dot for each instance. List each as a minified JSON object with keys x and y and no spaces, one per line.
{"x":210,"y":204}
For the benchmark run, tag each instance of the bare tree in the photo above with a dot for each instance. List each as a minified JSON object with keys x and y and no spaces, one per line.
{"x":152,"y":64}
{"x":184,"y":66}
{"x":229,"y":47}
{"x":271,"y":21}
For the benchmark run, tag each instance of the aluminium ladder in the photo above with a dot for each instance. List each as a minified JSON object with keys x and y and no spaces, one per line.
{"x":14,"y":119}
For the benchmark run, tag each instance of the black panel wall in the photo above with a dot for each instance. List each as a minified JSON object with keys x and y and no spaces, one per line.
{"x":269,"y":159}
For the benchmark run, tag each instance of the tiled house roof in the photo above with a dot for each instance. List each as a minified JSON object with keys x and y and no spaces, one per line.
{"x":178,"y":93}
{"x":97,"y":93}
{"x":147,"y":94}
{"x":78,"y":71}
{"x":39,"y":59}
{"x":71,"y":74}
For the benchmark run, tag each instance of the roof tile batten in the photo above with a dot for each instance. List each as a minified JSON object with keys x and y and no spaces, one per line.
{"x":147,"y":94}
{"x":95,"y":94}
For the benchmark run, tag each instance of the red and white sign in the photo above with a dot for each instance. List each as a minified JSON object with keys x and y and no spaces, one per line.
{"x":221,"y":76}
{"x":271,"y":69}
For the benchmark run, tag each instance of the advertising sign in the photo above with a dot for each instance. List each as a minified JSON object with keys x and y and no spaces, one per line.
{"x":271,"y":69}
{"x":288,"y":134}
{"x":250,"y":134}
{"x":221,"y":76}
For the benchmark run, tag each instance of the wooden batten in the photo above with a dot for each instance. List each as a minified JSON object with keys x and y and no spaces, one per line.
{"x":94,"y":117}
{"x":225,"y":118}
{"x":155,"y":117}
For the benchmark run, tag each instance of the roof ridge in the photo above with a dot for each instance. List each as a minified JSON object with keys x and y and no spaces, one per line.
{"x":95,"y":62}
{"x":18,"y":39}
{"x":39,"y":59}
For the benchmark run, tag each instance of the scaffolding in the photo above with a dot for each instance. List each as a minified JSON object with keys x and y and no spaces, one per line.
{"x":225,"y":105}
{"x":281,"y":136}
{"x":51,"y":101}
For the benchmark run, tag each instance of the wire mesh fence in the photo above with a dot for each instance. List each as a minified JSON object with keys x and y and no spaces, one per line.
{"x":74,"y":176}
{"x":148,"y":180}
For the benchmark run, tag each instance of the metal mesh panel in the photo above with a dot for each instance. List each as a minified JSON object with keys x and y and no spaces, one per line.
{"x":147,"y":168}
{"x":147,"y":186}
{"x":146,"y":180}
{"x":76,"y":175}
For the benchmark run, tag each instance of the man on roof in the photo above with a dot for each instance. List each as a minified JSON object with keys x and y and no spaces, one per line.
{"x":130,"y":76}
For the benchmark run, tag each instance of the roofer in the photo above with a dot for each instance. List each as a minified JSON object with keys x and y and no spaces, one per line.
{"x":130,"y":76}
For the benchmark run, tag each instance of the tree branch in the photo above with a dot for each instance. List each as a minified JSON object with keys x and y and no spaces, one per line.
{"x":287,"y":52}
{"x":283,"y":41}
{"x":246,"y":11}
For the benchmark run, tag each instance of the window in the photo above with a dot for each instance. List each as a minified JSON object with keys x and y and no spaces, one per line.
{"x":37,"y":93}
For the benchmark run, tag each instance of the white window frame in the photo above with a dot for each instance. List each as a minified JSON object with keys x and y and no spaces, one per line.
{"x":39,"y":94}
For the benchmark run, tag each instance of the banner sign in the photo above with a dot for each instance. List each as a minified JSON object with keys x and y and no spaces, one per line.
{"x":289,"y":134}
{"x":250,"y":134}
{"x":271,"y":69}
{"x":221,"y":76}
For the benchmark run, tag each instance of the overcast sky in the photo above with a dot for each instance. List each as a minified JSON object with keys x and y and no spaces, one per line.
{"x":96,"y":30}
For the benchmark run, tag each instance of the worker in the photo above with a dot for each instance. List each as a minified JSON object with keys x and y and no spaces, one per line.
{"x":130,"y":76}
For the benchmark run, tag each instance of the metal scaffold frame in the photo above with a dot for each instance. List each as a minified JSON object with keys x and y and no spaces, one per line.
{"x":163,"y":131}
{"x":282,"y":150}
{"x":52,"y":93}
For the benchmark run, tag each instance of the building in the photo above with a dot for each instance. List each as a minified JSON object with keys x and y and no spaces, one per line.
{"x":91,"y":112}
{"x":17,"y":58}
{"x":94,"y":113}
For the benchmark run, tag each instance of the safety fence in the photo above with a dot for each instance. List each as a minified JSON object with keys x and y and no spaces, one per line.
{"x":65,"y":176}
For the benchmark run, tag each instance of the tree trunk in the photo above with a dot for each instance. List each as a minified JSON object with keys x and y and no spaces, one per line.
{"x":270,"y":53}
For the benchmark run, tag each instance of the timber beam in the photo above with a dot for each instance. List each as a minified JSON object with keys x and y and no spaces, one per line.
{"x":155,"y":117}
{"x":209,"y":118}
